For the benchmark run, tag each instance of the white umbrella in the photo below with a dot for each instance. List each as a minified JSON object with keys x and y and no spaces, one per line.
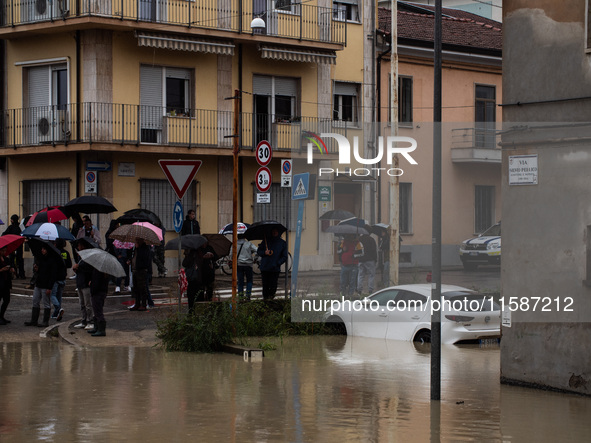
{"x":102,"y":261}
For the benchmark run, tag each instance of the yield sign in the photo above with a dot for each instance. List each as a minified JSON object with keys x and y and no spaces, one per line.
{"x":180,"y":173}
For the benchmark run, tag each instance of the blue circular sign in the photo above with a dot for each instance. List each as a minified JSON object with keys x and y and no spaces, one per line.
{"x":177,"y":216}
{"x":286,"y":167}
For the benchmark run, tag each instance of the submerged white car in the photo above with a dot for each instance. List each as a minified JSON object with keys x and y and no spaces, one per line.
{"x":482,"y":250}
{"x":404,"y":313}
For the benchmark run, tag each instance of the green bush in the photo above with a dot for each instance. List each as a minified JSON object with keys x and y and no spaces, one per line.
{"x":214,"y":325}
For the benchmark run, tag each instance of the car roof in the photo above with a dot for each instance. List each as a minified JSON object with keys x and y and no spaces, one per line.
{"x":426,"y":288}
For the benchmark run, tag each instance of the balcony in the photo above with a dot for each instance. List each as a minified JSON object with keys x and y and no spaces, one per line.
{"x":217,"y":18}
{"x":475,"y":145}
{"x":124,"y":124}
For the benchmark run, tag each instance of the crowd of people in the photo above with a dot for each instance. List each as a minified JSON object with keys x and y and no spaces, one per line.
{"x":51,"y":262}
{"x":359,"y":256}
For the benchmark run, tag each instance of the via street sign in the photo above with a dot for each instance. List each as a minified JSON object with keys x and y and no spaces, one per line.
{"x":263,"y":179}
{"x":300,"y":185}
{"x":180,"y":173}
{"x":98,"y":166}
{"x":177,"y":216}
{"x":264,"y":153}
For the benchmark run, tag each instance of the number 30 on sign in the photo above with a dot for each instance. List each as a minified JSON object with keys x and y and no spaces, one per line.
{"x":263,"y":179}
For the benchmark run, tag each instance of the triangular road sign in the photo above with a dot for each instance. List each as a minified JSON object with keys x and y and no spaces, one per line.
{"x":180,"y":173}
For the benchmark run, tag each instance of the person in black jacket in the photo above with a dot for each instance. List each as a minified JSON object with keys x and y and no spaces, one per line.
{"x":99,"y":285}
{"x":16,"y":258}
{"x":46,"y":266}
{"x":58,"y":286}
{"x":190,"y":225}
{"x":6,"y":273}
{"x":273,"y":253}
{"x":140,"y":263}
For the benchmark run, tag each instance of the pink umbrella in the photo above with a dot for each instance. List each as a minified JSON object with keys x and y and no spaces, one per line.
{"x":152,"y":227}
{"x":123,"y":244}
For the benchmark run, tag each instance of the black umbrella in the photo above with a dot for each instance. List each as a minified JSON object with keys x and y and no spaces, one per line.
{"x":192,"y":241}
{"x":35,"y":244}
{"x":89,"y":204}
{"x":88,"y":241}
{"x":336,"y":214}
{"x":354,"y":221}
{"x":220,"y":244}
{"x":262,"y":230}
{"x":378,"y":228}
{"x":139,"y":215}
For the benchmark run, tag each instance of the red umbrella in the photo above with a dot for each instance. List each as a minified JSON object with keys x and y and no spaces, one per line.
{"x":11,"y":242}
{"x":51,"y":214}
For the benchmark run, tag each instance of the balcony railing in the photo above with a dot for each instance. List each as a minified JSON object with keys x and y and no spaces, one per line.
{"x":296,"y":21}
{"x":135,"y":124}
{"x":478,"y":144}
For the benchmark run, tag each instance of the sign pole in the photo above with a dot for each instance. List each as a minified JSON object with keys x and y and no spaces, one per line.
{"x":235,"y":151}
{"x":298,"y":192}
{"x":177,"y":217}
{"x":179,"y":268}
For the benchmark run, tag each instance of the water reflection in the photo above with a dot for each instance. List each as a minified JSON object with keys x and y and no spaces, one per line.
{"x":310,"y":389}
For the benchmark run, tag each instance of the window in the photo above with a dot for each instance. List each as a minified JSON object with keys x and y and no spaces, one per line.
{"x":588,"y":23}
{"x":346,"y":104}
{"x":38,"y":194}
{"x":286,"y":6}
{"x":405,"y":208}
{"x":345,"y":10}
{"x":278,"y":209}
{"x":484,"y":208}
{"x":159,"y":197}
{"x":485,"y":118}
{"x":404,"y":101}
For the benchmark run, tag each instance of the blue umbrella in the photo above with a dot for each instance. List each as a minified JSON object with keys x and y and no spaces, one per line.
{"x":48,"y":231}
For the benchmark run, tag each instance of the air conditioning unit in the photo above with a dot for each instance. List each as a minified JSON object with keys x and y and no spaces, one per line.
{"x":53,"y":126}
{"x":41,"y":10}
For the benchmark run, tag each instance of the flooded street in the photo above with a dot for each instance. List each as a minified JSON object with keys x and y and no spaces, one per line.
{"x":332,"y":389}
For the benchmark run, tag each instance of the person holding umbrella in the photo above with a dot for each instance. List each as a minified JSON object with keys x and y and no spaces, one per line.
{"x":46,"y":267}
{"x":89,"y":230}
{"x":7,"y":271}
{"x":16,"y":257}
{"x":273,"y":253}
{"x":245,"y":262}
{"x":83,"y":274}
{"x":201,"y":284}
{"x":140,"y":263}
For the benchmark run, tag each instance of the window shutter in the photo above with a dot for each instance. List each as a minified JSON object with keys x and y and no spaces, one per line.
{"x":261,"y":85}
{"x":151,"y":86}
{"x":345,"y":89}
{"x":38,"y":86}
{"x":178,"y":73}
{"x":286,"y":86}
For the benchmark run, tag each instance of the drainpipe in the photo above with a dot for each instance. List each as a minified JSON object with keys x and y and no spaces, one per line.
{"x":78,"y":108}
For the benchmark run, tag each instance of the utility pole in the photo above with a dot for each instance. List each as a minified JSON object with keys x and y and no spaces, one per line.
{"x":235,"y":151}
{"x":436,"y":241}
{"x":394,"y":181}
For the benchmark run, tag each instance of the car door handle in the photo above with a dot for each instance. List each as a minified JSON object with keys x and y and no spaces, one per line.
{"x":383,"y":315}
{"x":416,"y":317}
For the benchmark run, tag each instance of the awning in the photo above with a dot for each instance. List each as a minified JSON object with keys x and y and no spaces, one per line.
{"x":299,"y":55}
{"x":184,"y":43}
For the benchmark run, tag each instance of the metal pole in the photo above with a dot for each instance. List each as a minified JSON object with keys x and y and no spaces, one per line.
{"x":394,"y":181}
{"x":179,"y":268}
{"x":436,"y":241}
{"x":236,"y":150}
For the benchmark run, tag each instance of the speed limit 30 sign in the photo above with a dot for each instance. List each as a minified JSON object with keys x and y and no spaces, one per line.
{"x":264,"y":153}
{"x":263,"y":179}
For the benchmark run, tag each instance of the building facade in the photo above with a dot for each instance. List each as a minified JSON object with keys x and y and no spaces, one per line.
{"x":471,"y":157}
{"x":546,"y":192}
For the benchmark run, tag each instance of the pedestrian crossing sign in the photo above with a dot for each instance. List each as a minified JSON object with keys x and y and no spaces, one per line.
{"x":300,"y":186}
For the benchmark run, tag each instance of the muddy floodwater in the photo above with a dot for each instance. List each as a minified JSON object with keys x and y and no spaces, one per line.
{"x":329,"y":389}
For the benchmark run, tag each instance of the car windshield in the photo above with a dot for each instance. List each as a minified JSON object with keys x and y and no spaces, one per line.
{"x":470,"y":301}
{"x":493,"y":231}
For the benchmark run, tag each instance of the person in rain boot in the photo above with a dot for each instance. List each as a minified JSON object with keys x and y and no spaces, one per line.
{"x":99,"y":285}
{"x":46,"y":268}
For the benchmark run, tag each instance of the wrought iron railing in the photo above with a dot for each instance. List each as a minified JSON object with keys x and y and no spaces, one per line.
{"x":296,"y":21}
{"x":135,"y":124}
{"x":480,"y":136}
